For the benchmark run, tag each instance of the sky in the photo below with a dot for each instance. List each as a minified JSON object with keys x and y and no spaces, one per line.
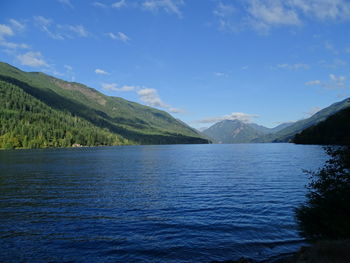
{"x":262,"y":61}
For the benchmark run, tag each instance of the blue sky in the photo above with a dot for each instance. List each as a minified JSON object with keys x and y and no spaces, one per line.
{"x":266,"y":61}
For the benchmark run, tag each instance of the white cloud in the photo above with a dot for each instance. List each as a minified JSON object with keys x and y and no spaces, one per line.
{"x":267,"y":14}
{"x":260,"y":15}
{"x":224,"y":10}
{"x":339,"y":80}
{"x":101,"y":71}
{"x":13,"y":45}
{"x":119,"y":4}
{"x":69,"y":72}
{"x":151,"y":98}
{"x":42,"y":21}
{"x":169,"y":6}
{"x":335,"y":63}
{"x":60,"y":31}
{"x":220,"y":74}
{"x":79,"y":30}
{"x":324,"y":9}
{"x":110,"y":86}
{"x":244,"y":117}
{"x":44,"y":24}
{"x":123,"y":37}
{"x":68,"y":67}
{"x":5,"y":31}
{"x":99,"y":4}
{"x":112,"y":35}
{"x":313,"y":82}
{"x":119,"y":36}
{"x":51,"y":70}
{"x":263,"y":15}
{"x":331,"y":48}
{"x":148,"y":96}
{"x":129,"y":88}
{"x":66,"y":2}
{"x":293,"y":66}
{"x":114,"y":87}
{"x":226,"y":14}
{"x":17,"y":25}
{"x":32,"y":59}
{"x":335,"y":82}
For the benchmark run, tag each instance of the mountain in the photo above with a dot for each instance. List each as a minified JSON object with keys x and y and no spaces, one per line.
{"x":202,"y":129}
{"x":233,"y":131}
{"x":280,"y":127}
{"x":335,"y":130}
{"x":288,"y":133}
{"x":260,"y":128}
{"x":52,"y":112}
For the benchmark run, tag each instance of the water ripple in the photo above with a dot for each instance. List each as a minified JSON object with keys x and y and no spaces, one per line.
{"x":179,"y":203}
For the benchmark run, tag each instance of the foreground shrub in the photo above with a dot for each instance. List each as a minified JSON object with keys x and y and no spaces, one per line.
{"x":326,"y":213}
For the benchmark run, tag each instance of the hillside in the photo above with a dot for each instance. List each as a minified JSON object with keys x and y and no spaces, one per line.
{"x":128,"y":121}
{"x":288,"y":133}
{"x":233,"y":131}
{"x":334,"y":130}
{"x":26,"y":122}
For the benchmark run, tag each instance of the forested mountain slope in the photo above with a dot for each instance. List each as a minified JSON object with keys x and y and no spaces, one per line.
{"x":124,"y":121}
{"x":334,"y":130}
{"x":288,"y":133}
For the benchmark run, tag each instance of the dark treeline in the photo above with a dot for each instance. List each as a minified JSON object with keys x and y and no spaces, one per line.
{"x":26,"y":122}
{"x":335,"y":130}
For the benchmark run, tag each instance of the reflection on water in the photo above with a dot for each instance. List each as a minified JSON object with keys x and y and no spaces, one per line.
{"x":178,"y":203}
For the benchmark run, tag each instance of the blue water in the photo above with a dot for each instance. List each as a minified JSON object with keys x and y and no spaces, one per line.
{"x":178,"y":203}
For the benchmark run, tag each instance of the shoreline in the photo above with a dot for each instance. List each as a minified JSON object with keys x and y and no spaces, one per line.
{"x":323,"y":251}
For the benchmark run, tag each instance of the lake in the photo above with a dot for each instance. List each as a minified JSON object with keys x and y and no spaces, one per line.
{"x":169,"y":203}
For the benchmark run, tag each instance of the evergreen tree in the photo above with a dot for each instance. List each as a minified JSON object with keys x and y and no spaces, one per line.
{"x":26,"y":122}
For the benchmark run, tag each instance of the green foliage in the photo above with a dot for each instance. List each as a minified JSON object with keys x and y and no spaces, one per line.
{"x":334,"y":130}
{"x":136,"y":123}
{"x":326,"y":214}
{"x":287,"y":134}
{"x":26,"y":122}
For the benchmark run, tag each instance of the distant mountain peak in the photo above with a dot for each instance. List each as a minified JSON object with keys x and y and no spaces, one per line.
{"x":232,"y":131}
